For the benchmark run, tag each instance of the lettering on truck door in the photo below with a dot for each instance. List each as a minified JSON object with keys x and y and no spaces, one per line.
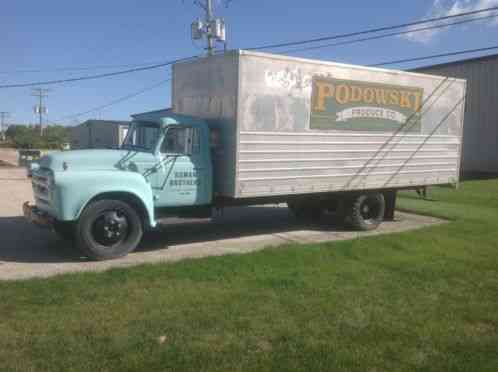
{"x":180,"y":179}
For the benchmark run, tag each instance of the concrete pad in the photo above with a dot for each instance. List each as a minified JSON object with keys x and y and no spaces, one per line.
{"x":28,"y":252}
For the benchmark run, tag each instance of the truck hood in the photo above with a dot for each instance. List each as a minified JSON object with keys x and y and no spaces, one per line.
{"x":86,"y":160}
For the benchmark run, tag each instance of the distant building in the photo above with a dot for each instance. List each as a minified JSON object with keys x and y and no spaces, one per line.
{"x":99,"y":134}
{"x":480,"y":134}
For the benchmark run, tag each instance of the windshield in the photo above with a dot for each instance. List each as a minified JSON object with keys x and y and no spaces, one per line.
{"x":142,"y":136}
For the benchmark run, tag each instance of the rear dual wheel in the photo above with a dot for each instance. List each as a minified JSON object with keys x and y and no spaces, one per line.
{"x":366,"y":211}
{"x":108,"y":229}
{"x":362,"y":212}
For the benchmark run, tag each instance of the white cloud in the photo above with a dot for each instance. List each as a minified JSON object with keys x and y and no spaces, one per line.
{"x":442,"y":8}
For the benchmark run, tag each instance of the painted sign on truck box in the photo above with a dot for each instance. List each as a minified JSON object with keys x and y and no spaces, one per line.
{"x":364,"y":106}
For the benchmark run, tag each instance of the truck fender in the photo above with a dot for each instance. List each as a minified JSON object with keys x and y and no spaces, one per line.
{"x":77,"y":189}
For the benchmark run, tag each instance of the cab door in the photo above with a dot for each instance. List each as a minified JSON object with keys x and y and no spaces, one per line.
{"x":183,"y":175}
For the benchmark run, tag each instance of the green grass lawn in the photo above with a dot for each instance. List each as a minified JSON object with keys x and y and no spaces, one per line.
{"x":425,"y":300}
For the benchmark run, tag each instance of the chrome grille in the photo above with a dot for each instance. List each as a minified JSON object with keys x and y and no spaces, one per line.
{"x":40,"y":180}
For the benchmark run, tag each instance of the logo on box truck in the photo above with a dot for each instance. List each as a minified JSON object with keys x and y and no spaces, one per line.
{"x":355,"y":105}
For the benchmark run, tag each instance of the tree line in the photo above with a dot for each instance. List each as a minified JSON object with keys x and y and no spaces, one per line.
{"x":28,"y":136}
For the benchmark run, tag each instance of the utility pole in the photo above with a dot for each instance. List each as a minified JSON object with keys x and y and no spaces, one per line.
{"x":40,"y":109}
{"x":212,"y":28}
{"x":209,"y":19}
{"x":3,"y":115}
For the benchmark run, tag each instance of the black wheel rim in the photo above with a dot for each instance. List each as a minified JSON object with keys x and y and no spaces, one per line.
{"x":110,"y":228}
{"x":370,"y":210}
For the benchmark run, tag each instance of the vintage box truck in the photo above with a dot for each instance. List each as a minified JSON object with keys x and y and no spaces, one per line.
{"x":250,"y":128}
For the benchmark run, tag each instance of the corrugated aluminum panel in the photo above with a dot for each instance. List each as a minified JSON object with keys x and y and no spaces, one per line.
{"x":207,"y":88}
{"x":272,"y":150}
{"x":480,"y":144}
{"x":283,"y":163}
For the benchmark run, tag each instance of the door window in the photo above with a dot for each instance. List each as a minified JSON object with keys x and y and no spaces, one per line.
{"x":142,"y":136}
{"x":181,"y":141}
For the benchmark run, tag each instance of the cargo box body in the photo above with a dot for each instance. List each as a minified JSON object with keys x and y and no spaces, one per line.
{"x":295,"y":126}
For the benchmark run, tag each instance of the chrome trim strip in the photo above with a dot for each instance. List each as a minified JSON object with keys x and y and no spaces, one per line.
{"x":340,"y":134}
{"x":336,"y":151}
{"x":428,"y":143}
{"x":344,"y":167}
{"x":344,"y":159}
{"x":346,"y":175}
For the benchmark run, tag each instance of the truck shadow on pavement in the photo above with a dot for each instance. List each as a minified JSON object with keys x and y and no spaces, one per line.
{"x":236,"y":222}
{"x":23,"y":242}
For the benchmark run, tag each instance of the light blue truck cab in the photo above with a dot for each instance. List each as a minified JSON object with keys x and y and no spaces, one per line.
{"x":105,"y":199}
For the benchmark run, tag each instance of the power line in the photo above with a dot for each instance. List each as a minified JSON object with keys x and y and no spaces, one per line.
{"x":399,"y":33}
{"x":99,"y":67}
{"x":79,"y":68}
{"x":159,"y":65}
{"x":368,"y":31}
{"x":434,"y":56}
{"x":113,"y":102}
{"x":148,"y":88}
{"x":99,"y":76}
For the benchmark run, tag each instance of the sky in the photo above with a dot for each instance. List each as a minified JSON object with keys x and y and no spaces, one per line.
{"x":38,"y":37}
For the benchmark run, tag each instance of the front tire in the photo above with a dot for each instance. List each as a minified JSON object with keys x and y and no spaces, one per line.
{"x":367,"y":211}
{"x":108,"y":229}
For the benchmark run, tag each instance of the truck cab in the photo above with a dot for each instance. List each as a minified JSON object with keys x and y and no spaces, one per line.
{"x":174,"y":158}
{"x":103,"y":200}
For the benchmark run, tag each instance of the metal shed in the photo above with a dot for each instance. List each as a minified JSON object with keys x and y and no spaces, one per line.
{"x":98,"y":134}
{"x":480,"y":139}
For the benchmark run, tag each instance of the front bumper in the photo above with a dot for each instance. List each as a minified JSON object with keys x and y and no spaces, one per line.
{"x":36,"y":216}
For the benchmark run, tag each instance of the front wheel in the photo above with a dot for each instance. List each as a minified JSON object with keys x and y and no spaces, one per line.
{"x":108,"y":229}
{"x":366,"y":211}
